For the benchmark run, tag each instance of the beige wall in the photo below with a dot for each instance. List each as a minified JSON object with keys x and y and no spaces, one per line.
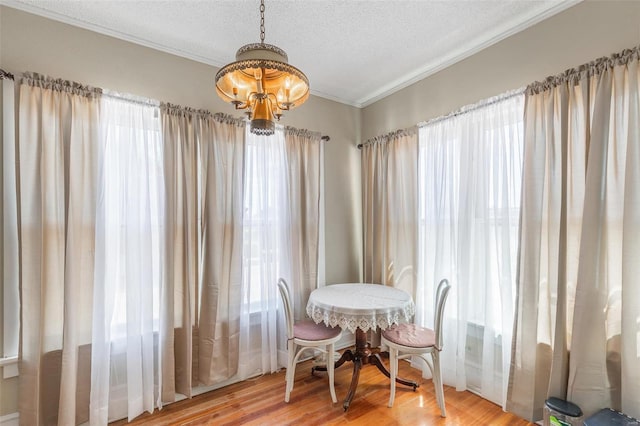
{"x":579,"y":34}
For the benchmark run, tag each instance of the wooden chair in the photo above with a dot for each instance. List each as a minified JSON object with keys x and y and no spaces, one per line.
{"x":306,"y":335}
{"x":406,"y":340}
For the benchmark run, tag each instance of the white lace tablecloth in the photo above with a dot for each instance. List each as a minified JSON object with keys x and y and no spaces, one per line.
{"x":364,"y":306}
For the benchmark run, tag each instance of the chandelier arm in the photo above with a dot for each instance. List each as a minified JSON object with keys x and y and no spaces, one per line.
{"x":240,"y":105}
{"x":251,"y":97}
{"x":274,"y":105}
{"x":279,"y":105}
{"x":272,"y":97}
{"x":285,"y":106}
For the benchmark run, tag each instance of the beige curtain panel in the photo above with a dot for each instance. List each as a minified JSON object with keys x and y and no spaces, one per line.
{"x":180,"y":292}
{"x":302,"y":156}
{"x":57,"y":133}
{"x":203,"y":166}
{"x":577,"y":334}
{"x":222,"y":197}
{"x":390,"y":209}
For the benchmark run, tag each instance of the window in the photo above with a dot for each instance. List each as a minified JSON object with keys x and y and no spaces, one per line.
{"x":131,"y":211}
{"x":265,"y":216}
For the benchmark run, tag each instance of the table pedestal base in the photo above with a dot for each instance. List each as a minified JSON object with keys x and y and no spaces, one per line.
{"x":362,"y":355}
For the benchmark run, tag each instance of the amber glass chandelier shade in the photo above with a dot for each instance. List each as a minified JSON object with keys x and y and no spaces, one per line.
{"x":238,"y":80}
{"x":262,"y":81}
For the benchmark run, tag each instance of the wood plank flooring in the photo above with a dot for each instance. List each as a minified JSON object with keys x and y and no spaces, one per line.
{"x":260,"y":401}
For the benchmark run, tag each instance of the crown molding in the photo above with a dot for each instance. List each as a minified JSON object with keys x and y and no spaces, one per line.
{"x":463,"y":53}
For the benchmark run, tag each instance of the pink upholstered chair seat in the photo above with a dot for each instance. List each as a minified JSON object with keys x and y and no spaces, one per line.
{"x":309,"y":330}
{"x":410,"y":335}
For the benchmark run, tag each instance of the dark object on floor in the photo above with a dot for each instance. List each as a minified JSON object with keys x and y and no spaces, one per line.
{"x":558,"y":412}
{"x":609,"y":417}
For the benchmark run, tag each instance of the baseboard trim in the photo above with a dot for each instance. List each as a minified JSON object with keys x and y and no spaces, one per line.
{"x":12,"y":419}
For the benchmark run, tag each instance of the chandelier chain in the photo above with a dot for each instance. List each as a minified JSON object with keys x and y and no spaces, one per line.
{"x":262,"y":21}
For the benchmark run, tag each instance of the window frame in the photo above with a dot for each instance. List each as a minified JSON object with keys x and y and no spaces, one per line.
{"x":10,"y":254}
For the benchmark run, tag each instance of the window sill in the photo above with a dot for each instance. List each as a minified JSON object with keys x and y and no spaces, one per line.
{"x":9,"y":366}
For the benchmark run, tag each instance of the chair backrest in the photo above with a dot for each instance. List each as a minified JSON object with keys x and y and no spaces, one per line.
{"x":441,"y":297}
{"x":285,"y":294}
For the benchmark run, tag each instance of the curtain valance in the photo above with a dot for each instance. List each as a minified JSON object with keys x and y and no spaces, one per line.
{"x":182,"y":111}
{"x":574,"y":75}
{"x":292,"y":131}
{"x":57,"y":84}
{"x":391,"y":136}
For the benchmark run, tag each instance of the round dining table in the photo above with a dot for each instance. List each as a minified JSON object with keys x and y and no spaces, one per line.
{"x":359,"y":307}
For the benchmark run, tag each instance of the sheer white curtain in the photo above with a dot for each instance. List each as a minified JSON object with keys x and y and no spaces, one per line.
{"x":280,"y":237}
{"x":125,"y":379}
{"x":470,"y":174}
{"x":265,"y":252}
{"x":577,"y":323}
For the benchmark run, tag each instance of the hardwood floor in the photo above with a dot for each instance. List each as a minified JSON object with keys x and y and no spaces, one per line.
{"x":260,"y":401}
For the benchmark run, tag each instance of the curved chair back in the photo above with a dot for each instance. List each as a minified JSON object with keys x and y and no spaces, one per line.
{"x":285,"y":294}
{"x":441,"y":297}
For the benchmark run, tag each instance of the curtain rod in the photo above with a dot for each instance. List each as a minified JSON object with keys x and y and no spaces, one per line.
{"x":325,"y":138}
{"x":473,"y":107}
{"x":5,"y":75}
{"x":464,"y":110}
{"x":133,"y":99}
{"x":392,"y":134}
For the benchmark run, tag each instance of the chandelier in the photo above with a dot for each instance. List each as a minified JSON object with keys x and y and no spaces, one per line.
{"x":262,"y":82}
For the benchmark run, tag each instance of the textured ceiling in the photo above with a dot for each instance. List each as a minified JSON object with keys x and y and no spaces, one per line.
{"x":354,"y":52}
